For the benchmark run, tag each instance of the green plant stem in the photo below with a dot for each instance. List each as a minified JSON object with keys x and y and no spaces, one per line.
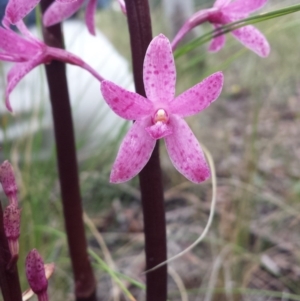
{"x":9,"y":279}
{"x":139,"y":23}
{"x":85,"y":286}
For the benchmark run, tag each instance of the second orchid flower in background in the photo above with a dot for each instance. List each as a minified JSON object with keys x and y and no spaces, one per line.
{"x":224,"y":12}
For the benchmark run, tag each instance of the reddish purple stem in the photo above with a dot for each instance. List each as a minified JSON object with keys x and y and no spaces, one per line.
{"x":139,"y":23}
{"x":85,"y":286}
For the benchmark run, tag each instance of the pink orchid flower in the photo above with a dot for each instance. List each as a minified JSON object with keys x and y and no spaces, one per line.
{"x":160,"y":116}
{"x":28,"y":52}
{"x":224,"y":12}
{"x":63,"y":9}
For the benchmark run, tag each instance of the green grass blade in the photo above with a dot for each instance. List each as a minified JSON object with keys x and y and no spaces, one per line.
{"x":101,"y":263}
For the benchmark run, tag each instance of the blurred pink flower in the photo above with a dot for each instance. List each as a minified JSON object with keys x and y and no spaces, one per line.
{"x":16,"y":10}
{"x":36,"y":275}
{"x":123,"y":6}
{"x":28,"y":52}
{"x":160,"y":116}
{"x":63,"y":9}
{"x":224,"y":12}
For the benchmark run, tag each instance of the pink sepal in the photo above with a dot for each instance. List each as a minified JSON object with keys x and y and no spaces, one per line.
{"x":90,"y":16}
{"x":123,"y":6}
{"x":218,"y":42}
{"x":126,"y":104}
{"x":199,"y":97}
{"x":17,"y":72}
{"x":59,"y":11}
{"x":185,"y":151}
{"x":244,"y":6}
{"x":253,"y":39}
{"x":159,"y":70}
{"x":134,"y":152}
{"x":65,"y":1}
{"x":221,"y":3}
{"x":16,"y":10}
{"x":13,"y":44}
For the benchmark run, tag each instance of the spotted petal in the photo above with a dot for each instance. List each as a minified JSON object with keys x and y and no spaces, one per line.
{"x":198,"y":97}
{"x":134,"y":152}
{"x":185,"y":151}
{"x":218,"y":42}
{"x":17,"y":10}
{"x":221,"y":3}
{"x":128,"y":105}
{"x":14,"y":45}
{"x":159,"y":70}
{"x":58,"y":12}
{"x":253,"y":39}
{"x":17,"y":72}
{"x":244,"y":6}
{"x":66,"y":1}
{"x":90,"y":16}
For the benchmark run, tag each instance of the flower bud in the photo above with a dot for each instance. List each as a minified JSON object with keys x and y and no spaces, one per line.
{"x":36,"y":276}
{"x":7,"y":179}
{"x":11,"y":222}
{"x":49,"y":269}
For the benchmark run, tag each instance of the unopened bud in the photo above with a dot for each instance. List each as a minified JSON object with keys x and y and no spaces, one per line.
{"x":36,"y":276}
{"x":11,"y":222}
{"x":49,"y":269}
{"x":8,"y":181}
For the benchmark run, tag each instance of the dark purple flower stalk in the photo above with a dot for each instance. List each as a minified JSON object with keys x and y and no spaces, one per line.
{"x":139,"y":23}
{"x":85,"y":286}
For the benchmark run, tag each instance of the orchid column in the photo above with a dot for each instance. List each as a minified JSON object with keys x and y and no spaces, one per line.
{"x":139,"y":23}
